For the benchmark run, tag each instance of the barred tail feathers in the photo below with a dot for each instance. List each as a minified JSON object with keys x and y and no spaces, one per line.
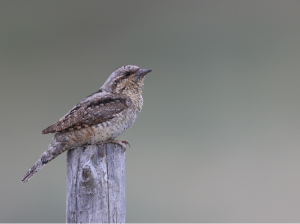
{"x":55,"y":149}
{"x":35,"y":168}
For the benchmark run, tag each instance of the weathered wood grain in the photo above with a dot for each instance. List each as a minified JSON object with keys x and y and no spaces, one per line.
{"x":96,"y":184}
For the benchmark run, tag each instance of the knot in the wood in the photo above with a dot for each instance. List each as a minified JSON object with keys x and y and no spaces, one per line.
{"x":86,"y":173}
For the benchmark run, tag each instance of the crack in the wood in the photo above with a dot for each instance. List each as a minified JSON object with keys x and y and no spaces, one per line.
{"x":76,"y":192}
{"x":106,"y":145}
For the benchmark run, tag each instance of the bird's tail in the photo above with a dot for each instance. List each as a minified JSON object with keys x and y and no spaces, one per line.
{"x":56,"y":147}
{"x":35,"y":168}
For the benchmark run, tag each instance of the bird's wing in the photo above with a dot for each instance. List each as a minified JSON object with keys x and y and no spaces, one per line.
{"x":94,"y":109}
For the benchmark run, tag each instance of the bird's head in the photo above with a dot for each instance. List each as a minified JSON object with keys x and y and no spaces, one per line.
{"x":128,"y":79}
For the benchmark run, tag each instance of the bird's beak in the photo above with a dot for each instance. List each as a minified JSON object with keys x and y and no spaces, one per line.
{"x":143,"y":72}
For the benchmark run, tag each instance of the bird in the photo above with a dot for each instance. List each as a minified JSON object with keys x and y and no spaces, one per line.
{"x":99,"y":118}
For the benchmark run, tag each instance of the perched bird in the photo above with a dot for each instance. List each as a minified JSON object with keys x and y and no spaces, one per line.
{"x":98,"y":118}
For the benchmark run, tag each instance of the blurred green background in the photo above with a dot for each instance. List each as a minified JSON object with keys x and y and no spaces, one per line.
{"x":218,"y":137}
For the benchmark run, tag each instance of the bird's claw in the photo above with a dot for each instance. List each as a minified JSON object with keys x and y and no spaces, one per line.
{"x":120,"y":143}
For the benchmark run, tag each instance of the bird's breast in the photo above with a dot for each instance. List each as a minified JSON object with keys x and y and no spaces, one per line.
{"x":112,"y":128}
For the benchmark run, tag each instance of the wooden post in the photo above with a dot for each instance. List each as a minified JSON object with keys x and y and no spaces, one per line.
{"x":96,"y":184}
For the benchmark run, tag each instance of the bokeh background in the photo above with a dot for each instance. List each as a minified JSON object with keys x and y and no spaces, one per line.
{"x":218,"y":137}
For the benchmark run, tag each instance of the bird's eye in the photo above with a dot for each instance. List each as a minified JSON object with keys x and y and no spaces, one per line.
{"x":127,"y":73}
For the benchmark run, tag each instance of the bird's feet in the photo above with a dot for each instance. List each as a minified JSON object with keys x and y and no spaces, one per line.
{"x":121,"y":143}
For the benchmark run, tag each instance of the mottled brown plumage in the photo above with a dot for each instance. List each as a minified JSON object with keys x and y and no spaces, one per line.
{"x":94,"y":110}
{"x":98,"y":118}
